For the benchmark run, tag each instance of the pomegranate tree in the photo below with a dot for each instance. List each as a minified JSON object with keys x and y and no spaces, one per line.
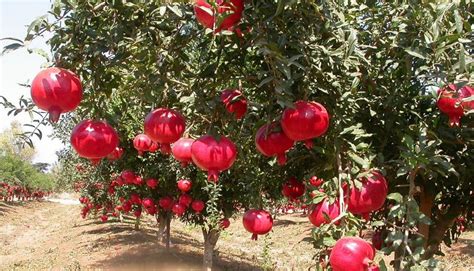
{"x":213,"y":155}
{"x":57,"y":91}
{"x":352,"y":254}
{"x":94,"y":139}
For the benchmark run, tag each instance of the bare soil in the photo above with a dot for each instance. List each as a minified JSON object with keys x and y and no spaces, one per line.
{"x":52,"y":236}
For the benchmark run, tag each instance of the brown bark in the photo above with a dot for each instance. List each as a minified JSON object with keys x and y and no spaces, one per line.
{"x":427,"y":197}
{"x":164,"y":229}
{"x":210,"y":239}
{"x":439,"y":227}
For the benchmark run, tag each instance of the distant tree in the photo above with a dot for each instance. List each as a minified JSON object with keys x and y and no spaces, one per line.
{"x":11,"y":143}
{"x":41,"y":167}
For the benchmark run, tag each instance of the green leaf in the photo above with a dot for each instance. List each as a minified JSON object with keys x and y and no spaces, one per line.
{"x":397,"y":197}
{"x":11,"y":47}
{"x":415,"y":54}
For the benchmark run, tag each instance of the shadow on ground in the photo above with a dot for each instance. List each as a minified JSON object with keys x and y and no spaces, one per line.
{"x":147,"y":253}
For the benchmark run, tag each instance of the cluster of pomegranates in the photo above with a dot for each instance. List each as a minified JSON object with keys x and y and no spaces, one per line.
{"x":360,"y":201}
{"x":19,"y":193}
{"x":451,"y":101}
{"x":304,"y":122}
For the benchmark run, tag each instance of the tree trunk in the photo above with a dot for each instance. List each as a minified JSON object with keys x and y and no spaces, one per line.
{"x":438,"y":229}
{"x":427,"y":197}
{"x":164,"y":228}
{"x":137,"y":223}
{"x":210,"y":240}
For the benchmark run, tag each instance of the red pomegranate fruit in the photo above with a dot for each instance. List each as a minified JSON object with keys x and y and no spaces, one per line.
{"x":142,"y":143}
{"x":257,"y":222}
{"x":115,"y":154}
{"x":197,"y":206}
{"x":94,"y":140}
{"x":315,"y":181}
{"x":324,"y":213}
{"x":307,"y":120}
{"x":164,"y":126}
{"x":148,"y":203}
{"x":154,"y":147}
{"x":213,"y":155}
{"x":178,"y":209}
{"x":293,"y":188}
{"x":104,"y":218}
{"x":152,"y":183}
{"x":370,"y":197}
{"x":225,"y":223}
{"x":450,"y":102}
{"x":57,"y":91}
{"x":184,"y":185}
{"x":185,"y":199}
{"x":182,"y":151}
{"x":229,"y":13}
{"x":351,"y":254}
{"x":271,"y":141}
{"x":166,"y":203}
{"x":234,"y":102}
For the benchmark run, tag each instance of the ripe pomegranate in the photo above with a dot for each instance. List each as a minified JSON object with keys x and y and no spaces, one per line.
{"x":257,"y":222}
{"x":166,"y":203}
{"x":184,"y":185}
{"x":152,"y":183}
{"x":234,"y":102}
{"x":57,"y":91}
{"x":164,"y":126}
{"x":315,"y":181}
{"x":94,"y":139}
{"x":271,"y":141}
{"x":185,"y":200}
{"x":225,"y":223}
{"x":370,"y":197}
{"x":293,"y":188}
{"x":197,"y":206}
{"x":142,"y":143}
{"x":213,"y":155}
{"x":148,"y":203}
{"x":178,"y":209}
{"x":104,"y":218}
{"x":128,"y":176}
{"x":307,"y":120}
{"x":182,"y":151}
{"x":135,"y":199}
{"x":230,"y":10}
{"x":450,"y":102}
{"x":115,"y":154}
{"x":351,"y":254}
{"x":154,"y":147}
{"x":324,"y":213}
{"x":127,"y":206}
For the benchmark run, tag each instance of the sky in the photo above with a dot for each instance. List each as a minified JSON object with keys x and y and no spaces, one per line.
{"x":21,"y":67}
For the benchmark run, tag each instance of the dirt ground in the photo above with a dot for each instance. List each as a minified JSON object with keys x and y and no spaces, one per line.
{"x":52,"y":236}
